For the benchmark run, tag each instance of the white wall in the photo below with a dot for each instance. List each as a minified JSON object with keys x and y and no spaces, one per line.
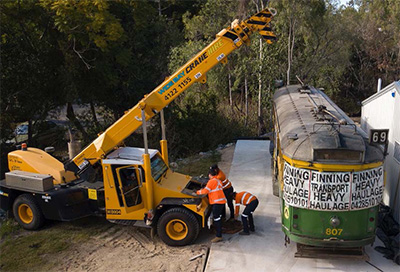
{"x":383,"y":112}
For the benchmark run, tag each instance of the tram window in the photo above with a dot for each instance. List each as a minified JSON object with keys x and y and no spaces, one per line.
{"x":337,"y":155}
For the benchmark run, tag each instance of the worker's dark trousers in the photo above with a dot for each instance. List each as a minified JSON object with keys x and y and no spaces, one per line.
{"x":228,"y":195}
{"x":248,"y":213}
{"x":217,"y":215}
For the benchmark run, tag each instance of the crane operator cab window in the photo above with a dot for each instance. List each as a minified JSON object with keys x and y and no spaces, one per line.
{"x":158,"y":167}
{"x":130,"y":183}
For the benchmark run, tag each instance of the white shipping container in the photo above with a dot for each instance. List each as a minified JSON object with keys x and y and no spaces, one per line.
{"x":382,"y":111}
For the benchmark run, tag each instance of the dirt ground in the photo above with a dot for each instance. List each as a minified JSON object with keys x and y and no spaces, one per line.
{"x":126,"y":248}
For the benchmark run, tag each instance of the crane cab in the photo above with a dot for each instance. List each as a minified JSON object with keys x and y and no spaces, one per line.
{"x":135,"y":191}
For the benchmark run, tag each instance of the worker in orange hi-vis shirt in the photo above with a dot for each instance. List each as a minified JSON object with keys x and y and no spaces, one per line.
{"x":217,"y":200}
{"x":251,"y":203}
{"x":228,"y":190}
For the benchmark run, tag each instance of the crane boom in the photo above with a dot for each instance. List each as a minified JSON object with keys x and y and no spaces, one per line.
{"x":226,"y":41}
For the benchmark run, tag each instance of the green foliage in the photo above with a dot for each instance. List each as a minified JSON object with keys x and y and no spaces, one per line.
{"x":198,"y":165}
{"x":200,"y":26}
{"x":30,"y":71}
{"x":317,"y":36}
{"x":86,"y":21}
{"x":27,"y":84}
{"x":79,"y":52}
{"x":111,"y":53}
{"x":244,"y":65}
{"x":197,"y":125}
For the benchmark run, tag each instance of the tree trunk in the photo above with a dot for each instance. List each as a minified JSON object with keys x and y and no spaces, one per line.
{"x":30,"y":129}
{"x":72,"y":118}
{"x":291,"y":37}
{"x":246,"y":93}
{"x":259,"y":112}
{"x":241,"y":99}
{"x":289,"y":60}
{"x":159,"y":8}
{"x":230,"y":89}
{"x":93,"y":110}
{"x":243,"y":4}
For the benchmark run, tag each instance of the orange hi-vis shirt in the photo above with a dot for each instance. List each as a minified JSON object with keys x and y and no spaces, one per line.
{"x":243,"y":198}
{"x":214,"y":190}
{"x":225,"y":182}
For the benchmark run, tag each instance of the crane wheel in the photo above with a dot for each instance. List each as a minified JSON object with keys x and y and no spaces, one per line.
{"x":178,"y":227}
{"x":27,"y":212}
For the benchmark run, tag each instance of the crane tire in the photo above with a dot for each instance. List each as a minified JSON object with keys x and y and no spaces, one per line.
{"x":178,"y":227}
{"x":27,"y":212}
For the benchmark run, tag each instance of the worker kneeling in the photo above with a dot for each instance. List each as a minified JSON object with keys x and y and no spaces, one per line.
{"x":216,"y":199}
{"x":251,"y":203}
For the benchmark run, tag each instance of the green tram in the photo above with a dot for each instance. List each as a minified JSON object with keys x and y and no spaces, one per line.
{"x":329,"y":179}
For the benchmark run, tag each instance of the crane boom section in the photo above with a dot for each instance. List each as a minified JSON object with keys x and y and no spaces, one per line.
{"x":194,"y":70}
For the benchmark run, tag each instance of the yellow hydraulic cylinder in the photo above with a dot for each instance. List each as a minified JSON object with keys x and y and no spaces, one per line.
{"x":149,"y":181}
{"x":164,"y":151}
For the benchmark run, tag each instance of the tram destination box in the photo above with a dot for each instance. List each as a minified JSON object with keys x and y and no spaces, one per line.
{"x":29,"y":181}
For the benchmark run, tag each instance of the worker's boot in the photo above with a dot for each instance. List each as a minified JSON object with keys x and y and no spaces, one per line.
{"x":251,"y":223}
{"x":245,"y":226}
{"x":216,"y":240}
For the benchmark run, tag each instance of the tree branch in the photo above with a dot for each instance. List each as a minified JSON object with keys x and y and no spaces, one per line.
{"x":88,"y":66}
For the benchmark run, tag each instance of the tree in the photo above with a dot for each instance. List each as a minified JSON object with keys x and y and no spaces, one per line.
{"x":108,"y":63}
{"x":31,"y":69}
{"x":237,"y":86}
{"x":30,"y":65}
{"x":108,"y":54}
{"x":372,"y":30}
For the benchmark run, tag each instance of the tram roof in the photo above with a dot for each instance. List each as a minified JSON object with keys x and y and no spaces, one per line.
{"x":314,"y":129}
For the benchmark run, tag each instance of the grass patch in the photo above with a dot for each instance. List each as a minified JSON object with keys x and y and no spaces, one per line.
{"x":31,"y":252}
{"x":39,"y":250}
{"x":196,"y":166}
{"x":8,"y":227}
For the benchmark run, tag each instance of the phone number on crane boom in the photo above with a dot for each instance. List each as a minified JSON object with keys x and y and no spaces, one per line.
{"x":181,"y":86}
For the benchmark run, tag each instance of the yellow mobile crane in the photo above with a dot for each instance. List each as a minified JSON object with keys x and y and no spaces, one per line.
{"x":135,"y":183}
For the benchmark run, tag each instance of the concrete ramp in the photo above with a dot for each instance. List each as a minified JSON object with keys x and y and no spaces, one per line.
{"x":264,"y":250}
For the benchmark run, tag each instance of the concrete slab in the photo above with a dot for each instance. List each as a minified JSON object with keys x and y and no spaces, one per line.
{"x":264,"y":250}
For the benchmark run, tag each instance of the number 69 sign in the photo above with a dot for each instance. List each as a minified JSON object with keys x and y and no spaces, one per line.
{"x":378,"y":136}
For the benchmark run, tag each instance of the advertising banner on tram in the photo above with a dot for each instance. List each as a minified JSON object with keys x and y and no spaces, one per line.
{"x":332,"y":191}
